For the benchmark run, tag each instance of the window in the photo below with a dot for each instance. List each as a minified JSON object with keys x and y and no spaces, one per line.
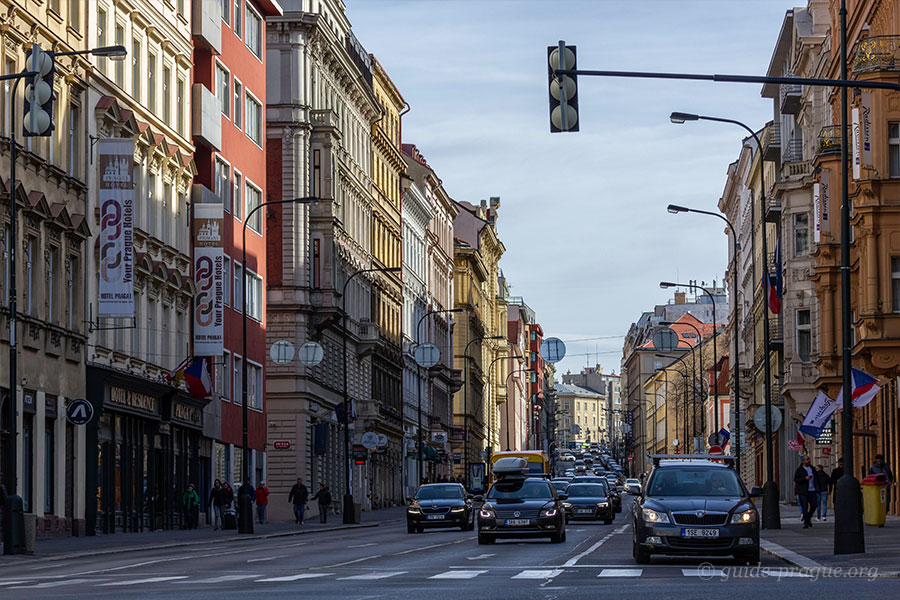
{"x":236,"y":194}
{"x":9,"y":69}
{"x":657,"y":365}
{"x":567,"y":406}
{"x":166,"y":89}
{"x":254,"y":386}
{"x":533,"y":336}
{"x":151,"y":82}
{"x":151,"y":331}
{"x":52,"y":282}
{"x":221,"y":185}
{"x":226,"y":280}
{"x":223,"y":90}
{"x":253,"y":124}
{"x":179,"y":106}
{"x":254,"y":296}
{"x":167,"y":202}
{"x":119,"y":64}
{"x":254,"y":197}
{"x":801,"y":234}
{"x":237,"y":395}
{"x":253,"y":38}
{"x":226,"y":10}
{"x":238,"y":293}
{"x":894,"y":148}
{"x":29,"y":275}
{"x":237,"y":18}
{"x":73,"y":140}
{"x":238,"y":103}
{"x":895,"y":284}
{"x":136,"y":74}
{"x":804,"y":335}
{"x":223,"y":376}
{"x":75,"y":14}
{"x":49,"y":463}
{"x":71,"y":278}
{"x":101,"y":37}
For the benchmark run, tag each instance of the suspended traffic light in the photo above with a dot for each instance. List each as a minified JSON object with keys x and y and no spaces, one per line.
{"x":563,"y":89}
{"x":39,"y":94}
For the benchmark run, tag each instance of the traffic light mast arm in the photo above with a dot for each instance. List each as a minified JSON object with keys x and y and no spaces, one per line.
{"x":21,"y":75}
{"x":844,"y":83}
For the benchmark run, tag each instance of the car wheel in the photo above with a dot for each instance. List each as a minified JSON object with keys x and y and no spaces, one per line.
{"x":485,"y":539}
{"x":641,"y":556}
{"x":607,"y":521}
{"x":420,"y":529}
{"x":557,"y":538}
{"x":410,"y":528}
{"x":750,"y":559}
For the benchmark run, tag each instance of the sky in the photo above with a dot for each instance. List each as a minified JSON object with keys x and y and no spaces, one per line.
{"x":583,"y":215}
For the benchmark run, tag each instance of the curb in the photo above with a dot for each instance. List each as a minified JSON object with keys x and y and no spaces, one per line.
{"x":806,"y":563}
{"x":82,"y":553}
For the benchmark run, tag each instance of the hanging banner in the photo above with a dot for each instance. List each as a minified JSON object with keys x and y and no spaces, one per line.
{"x":825,"y":200}
{"x":817,"y":223}
{"x":865,"y":130}
{"x":855,"y":133}
{"x":116,"y":202}
{"x":209,"y":279}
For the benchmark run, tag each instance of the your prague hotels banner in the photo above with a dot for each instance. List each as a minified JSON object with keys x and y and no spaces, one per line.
{"x":210,"y":278}
{"x":116,"y":201}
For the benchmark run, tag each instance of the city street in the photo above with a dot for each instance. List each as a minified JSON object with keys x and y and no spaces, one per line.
{"x":385,"y":562}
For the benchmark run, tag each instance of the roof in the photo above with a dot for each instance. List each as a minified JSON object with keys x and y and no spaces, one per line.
{"x":687,"y":334}
{"x":568,"y":389}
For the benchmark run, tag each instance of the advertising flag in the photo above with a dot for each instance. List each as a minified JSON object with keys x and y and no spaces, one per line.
{"x":116,"y":202}
{"x":210,"y":280}
{"x":819,"y":413}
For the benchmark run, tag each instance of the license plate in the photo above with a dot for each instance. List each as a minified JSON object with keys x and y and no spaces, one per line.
{"x":584,"y":511}
{"x":700,"y":533}
{"x":435,"y":517}
{"x":517,"y":522}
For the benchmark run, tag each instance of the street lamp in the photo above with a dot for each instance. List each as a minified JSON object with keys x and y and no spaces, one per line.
{"x":510,"y":374}
{"x":771,"y":509}
{"x":245,"y":514}
{"x":490,"y":370}
{"x":419,"y":377}
{"x":110,"y":52}
{"x":699,"y":345}
{"x":348,"y":509}
{"x":466,"y":358}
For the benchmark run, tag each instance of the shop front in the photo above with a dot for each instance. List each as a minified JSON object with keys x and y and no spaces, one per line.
{"x":144,"y":446}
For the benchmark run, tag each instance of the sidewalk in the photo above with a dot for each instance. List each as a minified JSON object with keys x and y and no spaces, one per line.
{"x":814,"y":548}
{"x":74,"y":547}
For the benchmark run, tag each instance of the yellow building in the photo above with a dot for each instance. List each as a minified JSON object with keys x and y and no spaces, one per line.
{"x":584,"y":415}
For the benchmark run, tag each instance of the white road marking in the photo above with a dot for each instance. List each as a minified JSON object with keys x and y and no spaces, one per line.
{"x":538,"y":574}
{"x":294,"y":577}
{"x":291,"y":545}
{"x":480,"y":556}
{"x":423,"y":548}
{"x":13,"y":582}
{"x":574,"y":560}
{"x":222,"y":579}
{"x":362,"y":545}
{"x":705,"y":573}
{"x":267,"y":558}
{"x":620,"y":573}
{"x":779,"y":572}
{"x":350,"y":562}
{"x":50,"y":584}
{"x":457,"y":575}
{"x":382,"y":575}
{"x":147,"y":580}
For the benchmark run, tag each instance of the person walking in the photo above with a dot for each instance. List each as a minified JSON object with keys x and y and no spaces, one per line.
{"x":217,"y":502}
{"x":323,"y":496}
{"x":228,"y":496}
{"x":807,"y":489}
{"x":823,"y":483}
{"x":191,"y":503}
{"x":262,"y":501}
{"x":298,"y":496}
{"x":879,"y":467}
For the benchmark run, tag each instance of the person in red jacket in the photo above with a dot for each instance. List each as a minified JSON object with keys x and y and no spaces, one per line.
{"x":262,"y":501}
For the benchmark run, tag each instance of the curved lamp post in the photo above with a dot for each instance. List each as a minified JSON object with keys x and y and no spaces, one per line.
{"x":510,"y":374}
{"x":466,"y":358}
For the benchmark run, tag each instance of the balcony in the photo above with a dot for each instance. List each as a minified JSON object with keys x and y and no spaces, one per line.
{"x":206,"y":117}
{"x":829,"y":140}
{"x":369,"y":334}
{"x":207,"y":24}
{"x":776,"y":333}
{"x":790,"y":95}
{"x":877,"y":54}
{"x":792,"y":151}
{"x":771,"y":142}
{"x":773,"y":210}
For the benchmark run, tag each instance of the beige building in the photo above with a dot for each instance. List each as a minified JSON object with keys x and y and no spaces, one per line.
{"x":584,"y":418}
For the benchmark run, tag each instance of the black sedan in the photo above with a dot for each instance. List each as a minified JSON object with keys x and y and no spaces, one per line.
{"x":561,"y":484}
{"x":611,"y":490}
{"x":522,"y":507}
{"x":695,"y":508}
{"x":589,"y":501}
{"x":440,"y":505}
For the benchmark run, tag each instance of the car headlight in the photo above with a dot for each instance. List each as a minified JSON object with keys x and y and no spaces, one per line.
{"x":747,"y":516}
{"x":652,"y":516}
{"x":567,"y":505}
{"x":414,"y":509}
{"x":458,"y":509}
{"x":548,"y":512}
{"x":487,"y":512}
{"x":602,"y":504}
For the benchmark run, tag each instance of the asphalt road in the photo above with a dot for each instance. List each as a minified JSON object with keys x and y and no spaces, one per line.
{"x":386,"y":562}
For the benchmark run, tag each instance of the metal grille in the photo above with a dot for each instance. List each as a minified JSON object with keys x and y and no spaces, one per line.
{"x":700,"y":544}
{"x":432,"y":510}
{"x":707,"y":519}
{"x":509,"y":513}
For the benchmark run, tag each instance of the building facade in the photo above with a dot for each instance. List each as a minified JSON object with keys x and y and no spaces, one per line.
{"x":584,"y":415}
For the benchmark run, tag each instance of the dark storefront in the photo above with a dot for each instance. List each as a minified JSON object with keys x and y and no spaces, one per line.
{"x":144,"y":445}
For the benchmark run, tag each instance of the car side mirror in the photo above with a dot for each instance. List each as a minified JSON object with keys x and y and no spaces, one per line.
{"x":757,"y":492}
{"x":478,"y":498}
{"x":563,"y":496}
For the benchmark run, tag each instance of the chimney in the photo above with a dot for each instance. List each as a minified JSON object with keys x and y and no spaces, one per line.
{"x":680,"y":298}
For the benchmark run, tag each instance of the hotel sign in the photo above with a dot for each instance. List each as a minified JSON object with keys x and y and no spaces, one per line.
{"x":136,"y":400}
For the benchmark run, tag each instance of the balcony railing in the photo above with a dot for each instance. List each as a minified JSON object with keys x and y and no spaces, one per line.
{"x":773,"y":210}
{"x":829,"y":140}
{"x":881,"y":53}
{"x":793,"y":150}
{"x":772,"y":142}
{"x":790,"y":97}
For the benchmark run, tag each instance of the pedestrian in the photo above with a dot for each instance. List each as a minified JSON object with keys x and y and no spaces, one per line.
{"x":190,"y":502}
{"x":823,"y":483}
{"x":262,"y":501}
{"x":879,"y":467}
{"x":298,"y":497}
{"x":324,"y":498}
{"x":217,"y":502}
{"x":807,"y":489}
{"x":228,"y":496}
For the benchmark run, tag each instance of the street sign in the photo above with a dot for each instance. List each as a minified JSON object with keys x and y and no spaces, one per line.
{"x":665,"y":339}
{"x":310,"y":354}
{"x":79,"y":411}
{"x":382,"y":440}
{"x":716,"y":439}
{"x":625,"y":428}
{"x":282,"y":352}
{"x":716,"y":451}
{"x":795,"y":445}
{"x":759,"y":418}
{"x":427,"y":355}
{"x":553,"y":350}
{"x":282,"y":444}
{"x":370,"y":440}
{"x":359,"y":453}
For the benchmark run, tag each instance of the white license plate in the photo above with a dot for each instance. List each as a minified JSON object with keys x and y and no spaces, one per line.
{"x":700,"y":533}
{"x":435,"y":517}
{"x":517,"y":522}
{"x":584,"y":511}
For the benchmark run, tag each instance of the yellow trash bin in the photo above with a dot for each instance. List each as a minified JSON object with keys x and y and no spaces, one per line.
{"x":874,"y":493}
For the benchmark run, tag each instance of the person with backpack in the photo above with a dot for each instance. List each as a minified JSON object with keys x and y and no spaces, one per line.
{"x":323,"y":496}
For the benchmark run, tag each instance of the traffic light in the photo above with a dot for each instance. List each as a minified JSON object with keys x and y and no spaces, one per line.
{"x":39,"y":94}
{"x":563,"y":98}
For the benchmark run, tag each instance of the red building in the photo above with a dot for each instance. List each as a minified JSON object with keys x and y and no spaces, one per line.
{"x":537,"y":435}
{"x":228,"y":124}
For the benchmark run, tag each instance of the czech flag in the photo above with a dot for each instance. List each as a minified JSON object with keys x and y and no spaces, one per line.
{"x":863,"y":389}
{"x":199,"y":382}
{"x":176,"y":375}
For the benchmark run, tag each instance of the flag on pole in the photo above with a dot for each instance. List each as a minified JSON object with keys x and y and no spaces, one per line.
{"x":723,"y":433}
{"x":819,"y":414}
{"x":864,"y":387}
{"x":779,"y":279}
{"x":176,"y":375}
{"x":198,"y":379}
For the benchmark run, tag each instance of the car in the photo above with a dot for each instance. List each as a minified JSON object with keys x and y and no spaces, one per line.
{"x":589,"y":501}
{"x":569,"y":473}
{"x":599,"y":471}
{"x":633,"y":485}
{"x":561,"y":484}
{"x":521,"y":507}
{"x":440,"y":505}
{"x":695,"y":507}
{"x":612,"y":492}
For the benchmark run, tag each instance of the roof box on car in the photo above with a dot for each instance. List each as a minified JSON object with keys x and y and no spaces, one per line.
{"x":512,"y":466}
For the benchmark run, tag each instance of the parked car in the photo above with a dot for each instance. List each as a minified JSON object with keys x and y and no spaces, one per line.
{"x":440,"y":505}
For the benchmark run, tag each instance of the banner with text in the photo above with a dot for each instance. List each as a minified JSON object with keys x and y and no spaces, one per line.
{"x":210,"y":280}
{"x":116,"y":202}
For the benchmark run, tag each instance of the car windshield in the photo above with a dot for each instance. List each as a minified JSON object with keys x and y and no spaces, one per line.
{"x":586,"y":490}
{"x":632,"y":481}
{"x":560,"y":485}
{"x":695,"y":481}
{"x":438,"y":492}
{"x":520,"y":489}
